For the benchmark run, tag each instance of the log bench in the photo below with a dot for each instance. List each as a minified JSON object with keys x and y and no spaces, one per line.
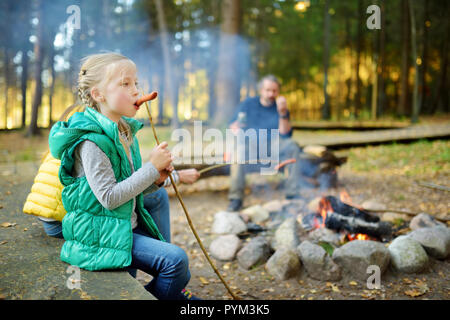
{"x":30,"y":267}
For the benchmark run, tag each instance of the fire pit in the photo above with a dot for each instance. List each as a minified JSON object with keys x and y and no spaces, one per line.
{"x":342,"y":217}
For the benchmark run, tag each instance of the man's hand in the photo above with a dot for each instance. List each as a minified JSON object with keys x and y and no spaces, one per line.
{"x":188,"y":176}
{"x":282,"y":106}
{"x":235,"y":126}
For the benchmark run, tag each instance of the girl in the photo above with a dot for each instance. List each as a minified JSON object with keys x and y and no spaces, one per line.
{"x":107,"y":224}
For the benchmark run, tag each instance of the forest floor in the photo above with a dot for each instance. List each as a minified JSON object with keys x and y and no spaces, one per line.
{"x":385,"y":173}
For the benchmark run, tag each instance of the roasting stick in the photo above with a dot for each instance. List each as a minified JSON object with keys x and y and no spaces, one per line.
{"x":277,"y":167}
{"x":235,"y":297}
{"x":213,"y":167}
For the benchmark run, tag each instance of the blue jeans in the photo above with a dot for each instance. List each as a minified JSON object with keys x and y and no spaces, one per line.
{"x":52,"y":228}
{"x":166,"y":262}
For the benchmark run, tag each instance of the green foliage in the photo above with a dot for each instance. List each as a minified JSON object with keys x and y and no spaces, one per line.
{"x":327,"y":247}
{"x":414,"y":160}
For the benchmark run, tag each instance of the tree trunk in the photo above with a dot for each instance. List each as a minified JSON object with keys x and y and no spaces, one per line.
{"x":7,"y":81}
{"x":39,"y":54}
{"x":52,"y":85}
{"x":441,"y":98}
{"x":161,"y":97}
{"x":423,"y":82}
{"x":211,"y":93}
{"x":348,"y":81}
{"x":227,"y":85}
{"x":375,"y":58}
{"x":326,"y":45}
{"x":405,"y":64}
{"x":168,"y":72}
{"x":382,"y":64}
{"x":358,"y":58}
{"x":415,"y":102}
{"x":23,"y":85}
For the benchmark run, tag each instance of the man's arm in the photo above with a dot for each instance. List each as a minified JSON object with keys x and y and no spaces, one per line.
{"x":234,"y":124}
{"x":283,"y":124}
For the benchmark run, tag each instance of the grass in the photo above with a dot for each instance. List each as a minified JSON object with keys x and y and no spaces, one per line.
{"x":15,"y":147}
{"x":421,"y":158}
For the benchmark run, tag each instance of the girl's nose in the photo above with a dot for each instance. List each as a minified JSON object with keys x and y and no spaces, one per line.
{"x":134,"y":91}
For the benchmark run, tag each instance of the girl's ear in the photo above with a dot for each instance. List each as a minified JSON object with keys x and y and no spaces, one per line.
{"x":96,"y":95}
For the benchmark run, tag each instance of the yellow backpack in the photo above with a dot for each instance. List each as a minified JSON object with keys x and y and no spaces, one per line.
{"x":44,"y":199}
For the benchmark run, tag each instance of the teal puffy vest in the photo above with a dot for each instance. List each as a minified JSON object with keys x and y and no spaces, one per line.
{"x":97,"y":238}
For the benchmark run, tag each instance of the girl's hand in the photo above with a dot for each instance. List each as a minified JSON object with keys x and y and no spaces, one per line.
{"x":163,"y":175}
{"x":188,"y":176}
{"x":160,"y":157}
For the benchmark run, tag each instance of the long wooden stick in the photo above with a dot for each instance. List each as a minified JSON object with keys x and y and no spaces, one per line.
{"x":277,"y":167}
{"x":432,"y":186}
{"x":213,"y":167}
{"x":404,"y":212}
{"x":189,"y":218}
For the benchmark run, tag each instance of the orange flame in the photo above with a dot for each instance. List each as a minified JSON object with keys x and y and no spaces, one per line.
{"x":324,"y":208}
{"x":345,"y":197}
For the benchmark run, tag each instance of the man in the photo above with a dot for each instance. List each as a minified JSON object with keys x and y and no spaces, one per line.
{"x":266,"y":111}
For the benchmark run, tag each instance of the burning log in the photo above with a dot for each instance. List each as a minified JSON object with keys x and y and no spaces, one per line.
{"x":337,"y":215}
{"x":350,"y":211}
{"x":353,"y":224}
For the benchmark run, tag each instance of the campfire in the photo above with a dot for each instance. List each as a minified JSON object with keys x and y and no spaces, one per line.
{"x":348,"y":219}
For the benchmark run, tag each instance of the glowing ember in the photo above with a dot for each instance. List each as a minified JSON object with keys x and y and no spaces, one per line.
{"x":359,"y":236}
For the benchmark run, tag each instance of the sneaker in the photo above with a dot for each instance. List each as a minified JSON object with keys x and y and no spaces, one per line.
{"x":234,"y":205}
{"x":188,"y":295}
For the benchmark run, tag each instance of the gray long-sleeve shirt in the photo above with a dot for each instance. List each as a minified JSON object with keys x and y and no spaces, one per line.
{"x":92,"y":162}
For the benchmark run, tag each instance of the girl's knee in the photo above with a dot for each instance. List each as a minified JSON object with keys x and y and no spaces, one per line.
{"x":179,"y":258}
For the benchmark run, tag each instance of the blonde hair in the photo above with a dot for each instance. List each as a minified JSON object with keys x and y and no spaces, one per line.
{"x":97,"y":70}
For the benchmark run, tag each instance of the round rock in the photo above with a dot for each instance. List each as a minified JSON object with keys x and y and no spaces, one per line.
{"x":435,"y":240}
{"x":228,"y":223}
{"x":225,"y":247}
{"x":283,"y":264}
{"x":356,"y":256}
{"x":407,"y":255}
{"x":317,"y":262}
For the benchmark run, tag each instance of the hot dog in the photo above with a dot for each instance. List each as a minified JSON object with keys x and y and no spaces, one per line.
{"x":145,"y":98}
{"x":285,"y":162}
